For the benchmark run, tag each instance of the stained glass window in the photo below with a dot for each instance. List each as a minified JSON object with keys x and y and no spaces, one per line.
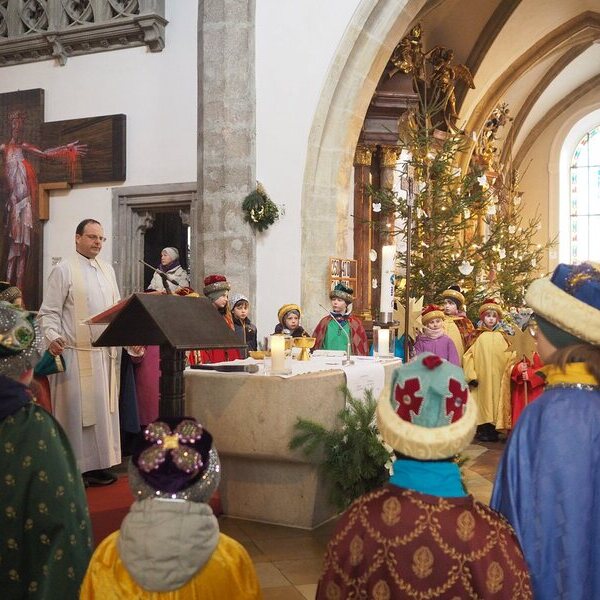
{"x":584,"y":199}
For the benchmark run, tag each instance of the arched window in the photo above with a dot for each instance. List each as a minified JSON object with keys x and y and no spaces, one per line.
{"x":584,"y":199}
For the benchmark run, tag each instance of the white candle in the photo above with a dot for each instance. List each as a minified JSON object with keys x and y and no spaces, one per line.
{"x":277,"y":353}
{"x":376,"y":330}
{"x":383,"y":344}
{"x":386,"y":302}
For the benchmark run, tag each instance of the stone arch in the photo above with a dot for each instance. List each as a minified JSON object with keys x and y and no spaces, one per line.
{"x":369,"y":40}
{"x":579,"y":30}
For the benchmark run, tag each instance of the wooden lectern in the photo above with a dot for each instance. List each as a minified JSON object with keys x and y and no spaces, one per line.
{"x":175,"y":323}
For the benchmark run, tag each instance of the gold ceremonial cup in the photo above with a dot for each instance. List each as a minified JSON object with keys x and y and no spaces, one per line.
{"x":305,"y":343}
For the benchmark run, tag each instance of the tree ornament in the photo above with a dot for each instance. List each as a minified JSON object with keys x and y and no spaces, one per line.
{"x":466,"y":268}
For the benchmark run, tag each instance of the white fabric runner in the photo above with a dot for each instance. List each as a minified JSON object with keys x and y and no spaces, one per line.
{"x":365,"y":372}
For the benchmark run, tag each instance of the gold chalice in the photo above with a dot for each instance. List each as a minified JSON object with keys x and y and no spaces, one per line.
{"x":305,"y":343}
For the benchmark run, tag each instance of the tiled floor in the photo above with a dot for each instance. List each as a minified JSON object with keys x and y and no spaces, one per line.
{"x":288,"y":561}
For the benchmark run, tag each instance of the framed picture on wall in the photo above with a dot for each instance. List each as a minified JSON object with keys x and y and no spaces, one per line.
{"x":342,"y":270}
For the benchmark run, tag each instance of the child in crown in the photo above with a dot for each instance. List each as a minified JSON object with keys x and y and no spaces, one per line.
{"x":485,"y":365}
{"x":328,"y":332}
{"x":433,"y":338}
{"x":289,"y":316}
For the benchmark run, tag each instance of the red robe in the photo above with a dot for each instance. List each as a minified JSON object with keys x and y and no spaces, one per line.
{"x":215,"y":355}
{"x":534,"y":386}
{"x":396,"y":543}
{"x":358,"y":337}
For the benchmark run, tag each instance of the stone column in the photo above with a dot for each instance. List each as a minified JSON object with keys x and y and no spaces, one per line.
{"x":226,"y":143}
{"x":383,"y":223}
{"x":363,"y":233}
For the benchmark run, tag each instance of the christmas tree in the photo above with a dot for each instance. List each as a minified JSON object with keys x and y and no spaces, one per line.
{"x":466,"y":224}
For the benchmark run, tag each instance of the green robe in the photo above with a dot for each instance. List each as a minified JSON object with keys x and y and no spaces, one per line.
{"x":45,"y":544}
{"x":334,"y":338}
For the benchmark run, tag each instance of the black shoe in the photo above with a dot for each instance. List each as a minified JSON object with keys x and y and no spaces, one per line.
{"x":98,"y":477}
{"x":486,"y":433}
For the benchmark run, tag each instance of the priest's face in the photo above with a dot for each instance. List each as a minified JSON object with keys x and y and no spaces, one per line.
{"x":89,"y":243}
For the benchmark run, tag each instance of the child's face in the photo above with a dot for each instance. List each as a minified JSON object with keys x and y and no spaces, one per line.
{"x":544,"y":347}
{"x":291,"y":321}
{"x":450,"y":307}
{"x":490,"y":318}
{"x":221,"y":301}
{"x":436,"y":324}
{"x":338,"y":305}
{"x":240,"y":310}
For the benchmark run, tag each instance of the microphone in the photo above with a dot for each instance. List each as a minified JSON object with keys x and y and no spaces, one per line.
{"x":348,"y":360}
{"x":227,"y":368}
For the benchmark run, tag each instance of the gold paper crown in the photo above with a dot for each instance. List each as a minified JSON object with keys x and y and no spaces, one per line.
{"x":490,"y":304}
{"x":285,"y":309}
{"x":450,"y":293}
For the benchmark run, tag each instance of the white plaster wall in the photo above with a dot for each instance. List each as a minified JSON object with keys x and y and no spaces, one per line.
{"x":545,"y":181}
{"x":157,"y":92}
{"x":295,"y":45}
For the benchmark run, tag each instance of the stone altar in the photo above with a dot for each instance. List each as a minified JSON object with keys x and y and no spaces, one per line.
{"x":252,"y":418}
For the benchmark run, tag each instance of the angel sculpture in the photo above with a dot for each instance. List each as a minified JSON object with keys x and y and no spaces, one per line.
{"x":443,"y":82}
{"x":433,"y":74}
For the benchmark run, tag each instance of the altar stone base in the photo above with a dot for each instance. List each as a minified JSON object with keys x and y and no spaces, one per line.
{"x":252,"y":419}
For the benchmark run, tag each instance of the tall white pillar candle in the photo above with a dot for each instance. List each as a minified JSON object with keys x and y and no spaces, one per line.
{"x":277,"y":353}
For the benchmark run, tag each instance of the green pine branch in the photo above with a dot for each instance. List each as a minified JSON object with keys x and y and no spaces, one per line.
{"x":353,"y":457}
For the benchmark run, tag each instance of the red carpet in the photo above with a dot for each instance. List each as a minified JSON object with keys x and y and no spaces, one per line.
{"x":108,"y":506}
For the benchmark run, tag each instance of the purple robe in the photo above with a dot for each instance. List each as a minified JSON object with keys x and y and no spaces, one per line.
{"x":443,"y":346}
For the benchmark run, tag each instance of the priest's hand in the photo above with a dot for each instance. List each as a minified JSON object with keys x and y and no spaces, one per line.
{"x":57,"y":347}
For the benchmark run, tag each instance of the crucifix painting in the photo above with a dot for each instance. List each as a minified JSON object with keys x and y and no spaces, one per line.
{"x":34,"y":156}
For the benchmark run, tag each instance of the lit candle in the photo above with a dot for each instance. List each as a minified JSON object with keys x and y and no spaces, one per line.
{"x":383,"y":345}
{"x":277,"y":353}
{"x":386,"y":302}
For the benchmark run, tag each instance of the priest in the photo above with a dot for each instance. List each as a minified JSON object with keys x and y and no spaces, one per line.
{"x":85,"y":396}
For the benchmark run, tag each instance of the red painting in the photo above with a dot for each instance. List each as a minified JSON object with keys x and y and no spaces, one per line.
{"x":31,"y":151}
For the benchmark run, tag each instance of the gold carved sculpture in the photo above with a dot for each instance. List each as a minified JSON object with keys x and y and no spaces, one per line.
{"x":434,"y":76}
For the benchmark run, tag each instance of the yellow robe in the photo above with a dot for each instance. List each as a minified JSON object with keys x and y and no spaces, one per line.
{"x":228,"y":574}
{"x":485,"y":361}
{"x":454,"y":334}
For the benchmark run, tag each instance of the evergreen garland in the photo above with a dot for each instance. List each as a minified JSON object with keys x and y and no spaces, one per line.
{"x":260,"y":211}
{"x":354,"y":458}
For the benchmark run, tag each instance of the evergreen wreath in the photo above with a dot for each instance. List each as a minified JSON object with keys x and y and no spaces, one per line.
{"x":355,"y":460}
{"x":260,"y":211}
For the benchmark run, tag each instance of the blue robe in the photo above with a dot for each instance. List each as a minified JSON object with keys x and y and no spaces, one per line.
{"x":548,"y":487}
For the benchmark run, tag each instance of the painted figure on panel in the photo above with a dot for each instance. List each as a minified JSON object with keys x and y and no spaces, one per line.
{"x":22,"y":187}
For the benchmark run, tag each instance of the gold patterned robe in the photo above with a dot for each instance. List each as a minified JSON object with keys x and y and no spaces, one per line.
{"x":398,"y":543}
